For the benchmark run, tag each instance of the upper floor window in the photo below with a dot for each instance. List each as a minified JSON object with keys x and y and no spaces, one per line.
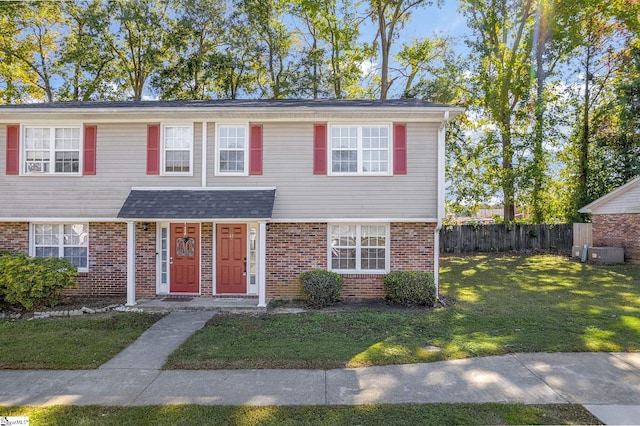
{"x":358,"y":248}
{"x":69,"y":241}
{"x":231,"y":149}
{"x":51,"y":150}
{"x":177,"y":149}
{"x":360,"y":149}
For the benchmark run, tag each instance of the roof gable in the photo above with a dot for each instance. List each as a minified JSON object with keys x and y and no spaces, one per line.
{"x":625,"y":199}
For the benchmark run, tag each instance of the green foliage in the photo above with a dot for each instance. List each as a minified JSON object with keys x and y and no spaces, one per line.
{"x":321,"y":287}
{"x":31,"y":282}
{"x":410,"y":288}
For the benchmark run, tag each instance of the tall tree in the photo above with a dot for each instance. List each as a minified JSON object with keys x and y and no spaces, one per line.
{"x":31,"y":37}
{"x":272,"y":44}
{"x":502,"y":51}
{"x":88,"y":70}
{"x":193,"y":50}
{"x":389,"y":17}
{"x":135,"y":34}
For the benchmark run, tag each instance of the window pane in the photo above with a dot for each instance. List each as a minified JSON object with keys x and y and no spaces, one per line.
{"x":46,"y":235}
{"x":77,"y":256}
{"x":46,"y":251}
{"x":76,"y":235}
{"x":67,"y":161}
{"x":344,"y":161}
{"x":177,"y":161}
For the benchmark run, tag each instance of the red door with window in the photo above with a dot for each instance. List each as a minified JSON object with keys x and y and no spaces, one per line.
{"x":184,"y":263}
{"x":231,"y":259}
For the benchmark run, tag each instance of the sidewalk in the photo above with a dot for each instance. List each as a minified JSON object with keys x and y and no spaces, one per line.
{"x":608,"y":384}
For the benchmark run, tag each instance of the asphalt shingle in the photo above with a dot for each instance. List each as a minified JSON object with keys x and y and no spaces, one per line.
{"x":198,"y":204}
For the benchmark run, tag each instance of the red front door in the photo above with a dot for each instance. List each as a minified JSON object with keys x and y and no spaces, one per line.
{"x":184,"y":263}
{"x":231,"y":259}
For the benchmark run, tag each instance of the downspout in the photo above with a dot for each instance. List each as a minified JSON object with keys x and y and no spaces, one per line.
{"x":131,"y":263}
{"x":442,"y":131}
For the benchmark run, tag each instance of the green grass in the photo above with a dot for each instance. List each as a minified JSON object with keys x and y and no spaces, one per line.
{"x":504,"y":304}
{"x":401,"y":414}
{"x":70,"y":343}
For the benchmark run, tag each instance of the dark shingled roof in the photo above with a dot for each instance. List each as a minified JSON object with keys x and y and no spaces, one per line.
{"x":198,"y":204}
{"x":235,"y":103}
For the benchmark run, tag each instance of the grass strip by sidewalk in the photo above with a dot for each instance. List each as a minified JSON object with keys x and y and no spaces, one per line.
{"x":402,"y":414}
{"x":69,"y":343}
{"x":504,"y":304}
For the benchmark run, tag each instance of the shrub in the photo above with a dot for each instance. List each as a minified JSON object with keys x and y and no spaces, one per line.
{"x":410,"y":288}
{"x":321,"y":287}
{"x":32,"y":282}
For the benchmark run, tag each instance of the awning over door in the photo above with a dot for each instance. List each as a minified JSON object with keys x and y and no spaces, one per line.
{"x":198,"y":204}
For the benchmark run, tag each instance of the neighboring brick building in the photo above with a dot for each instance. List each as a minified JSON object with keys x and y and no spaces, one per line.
{"x":227,"y":197}
{"x":616,"y":220}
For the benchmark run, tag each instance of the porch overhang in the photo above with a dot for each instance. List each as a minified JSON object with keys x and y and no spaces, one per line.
{"x":190,"y":204}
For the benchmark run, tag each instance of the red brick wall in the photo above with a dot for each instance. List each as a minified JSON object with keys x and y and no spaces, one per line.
{"x":14,"y":236}
{"x":618,"y":230}
{"x":145,"y":259}
{"x":293,"y":248}
{"x":206,"y":259}
{"x":107,"y":261}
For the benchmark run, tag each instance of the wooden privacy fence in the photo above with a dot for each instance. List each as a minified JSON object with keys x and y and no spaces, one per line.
{"x":506,"y":237}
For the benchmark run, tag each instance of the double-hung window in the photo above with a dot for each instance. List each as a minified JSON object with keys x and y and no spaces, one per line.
{"x":51,"y":150}
{"x":362,"y":149}
{"x":177,"y":149}
{"x":359,"y":248}
{"x":69,"y":241}
{"x":232,"y":150}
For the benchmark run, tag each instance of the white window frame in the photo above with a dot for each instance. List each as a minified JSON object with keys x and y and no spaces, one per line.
{"x":61,"y":245}
{"x":358,"y":246}
{"x":52,"y":150}
{"x":163,"y":150}
{"x":245,"y":172}
{"x":359,"y":169}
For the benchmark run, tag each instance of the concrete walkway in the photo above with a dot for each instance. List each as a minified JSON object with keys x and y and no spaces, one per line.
{"x":608,"y":384}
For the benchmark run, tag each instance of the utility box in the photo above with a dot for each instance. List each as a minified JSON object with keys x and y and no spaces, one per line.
{"x":576,"y":251}
{"x":606,"y":254}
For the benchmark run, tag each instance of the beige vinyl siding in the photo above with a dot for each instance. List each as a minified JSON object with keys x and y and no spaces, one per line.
{"x":288,"y":165}
{"x":121,"y":164}
{"x":627,"y":202}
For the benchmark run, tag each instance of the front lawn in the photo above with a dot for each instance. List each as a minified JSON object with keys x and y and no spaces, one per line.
{"x":70,"y":343}
{"x":504,"y":304}
{"x":401,"y":414}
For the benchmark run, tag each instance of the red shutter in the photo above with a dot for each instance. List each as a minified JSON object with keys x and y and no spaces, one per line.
{"x":255,"y":149}
{"x":153,"y":149}
{"x":319,"y":149}
{"x":90,"y":150}
{"x":13,"y":150}
{"x":400,"y":149}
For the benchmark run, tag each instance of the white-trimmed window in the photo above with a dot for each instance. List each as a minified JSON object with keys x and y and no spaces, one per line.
{"x":359,"y":248}
{"x":177,"y":149}
{"x":364,"y":149}
{"x":232,"y":145}
{"x":51,"y":150}
{"x":68,"y":240}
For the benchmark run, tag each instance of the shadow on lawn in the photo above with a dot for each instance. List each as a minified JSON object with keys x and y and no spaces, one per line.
{"x":541,"y":303}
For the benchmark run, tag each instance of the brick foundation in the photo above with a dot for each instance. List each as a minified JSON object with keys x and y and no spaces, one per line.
{"x":293,"y":248}
{"x":618,"y":230}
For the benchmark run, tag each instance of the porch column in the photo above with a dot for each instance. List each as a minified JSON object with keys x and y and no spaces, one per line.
{"x":262,"y":267}
{"x":131,"y":263}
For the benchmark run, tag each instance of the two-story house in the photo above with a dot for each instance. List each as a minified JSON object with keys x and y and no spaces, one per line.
{"x":226,"y":197}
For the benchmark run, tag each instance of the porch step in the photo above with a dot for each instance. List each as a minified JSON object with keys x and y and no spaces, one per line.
{"x":219,"y":304}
